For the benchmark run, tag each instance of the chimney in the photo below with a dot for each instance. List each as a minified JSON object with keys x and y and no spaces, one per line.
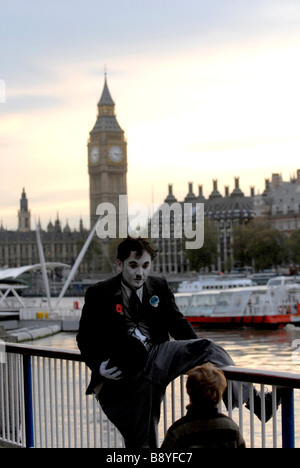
{"x":298,"y":177}
{"x":267,"y":188}
{"x":226,"y":190}
{"x":252,"y":192}
{"x":275,"y":180}
{"x":237,"y":191}
{"x":201,"y":197}
{"x":170,"y":198}
{"x":190,"y":196}
{"x":215,"y":193}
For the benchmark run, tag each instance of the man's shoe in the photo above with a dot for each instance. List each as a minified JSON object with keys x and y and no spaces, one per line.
{"x":268,"y":404}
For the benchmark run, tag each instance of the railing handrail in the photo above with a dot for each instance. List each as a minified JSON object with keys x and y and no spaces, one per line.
{"x":287,"y":380}
{"x":279,"y":378}
{"x":68,"y":354}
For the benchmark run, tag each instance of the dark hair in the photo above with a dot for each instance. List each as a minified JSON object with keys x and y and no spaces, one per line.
{"x":138,"y":245}
{"x":205,"y":385}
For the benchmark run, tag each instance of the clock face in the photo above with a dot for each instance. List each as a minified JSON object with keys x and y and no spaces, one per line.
{"x":94,"y":154}
{"x":115,"y":154}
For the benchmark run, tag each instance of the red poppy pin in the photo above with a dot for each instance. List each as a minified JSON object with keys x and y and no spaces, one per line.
{"x":119,"y":309}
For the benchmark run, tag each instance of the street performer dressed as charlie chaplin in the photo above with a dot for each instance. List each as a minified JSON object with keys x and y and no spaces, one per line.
{"x":136,"y":341}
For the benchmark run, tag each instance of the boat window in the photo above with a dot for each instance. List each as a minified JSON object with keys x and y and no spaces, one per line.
{"x":223,"y":301}
{"x":204,"y":300}
{"x":182,"y":301}
{"x":275,"y":282}
{"x":257,"y":295}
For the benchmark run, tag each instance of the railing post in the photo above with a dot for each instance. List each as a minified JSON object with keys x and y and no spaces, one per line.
{"x":28,"y":401}
{"x":288,"y":419}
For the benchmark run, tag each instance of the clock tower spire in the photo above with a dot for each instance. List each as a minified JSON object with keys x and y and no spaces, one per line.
{"x":24,"y":214}
{"x":107,"y":156}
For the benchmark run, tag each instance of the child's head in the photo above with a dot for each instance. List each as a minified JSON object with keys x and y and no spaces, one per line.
{"x":205,"y":385}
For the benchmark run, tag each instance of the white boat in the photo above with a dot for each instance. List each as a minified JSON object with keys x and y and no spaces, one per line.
{"x":214,"y":282}
{"x":256,"y":306}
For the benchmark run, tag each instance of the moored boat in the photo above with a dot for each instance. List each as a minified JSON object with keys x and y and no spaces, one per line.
{"x":214,"y":282}
{"x":256,"y":306}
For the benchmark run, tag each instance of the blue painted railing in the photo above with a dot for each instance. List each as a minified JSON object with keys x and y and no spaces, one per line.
{"x":288,"y":419}
{"x":29,"y":429}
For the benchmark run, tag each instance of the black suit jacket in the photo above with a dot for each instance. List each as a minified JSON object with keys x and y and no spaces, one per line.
{"x":103,"y":324}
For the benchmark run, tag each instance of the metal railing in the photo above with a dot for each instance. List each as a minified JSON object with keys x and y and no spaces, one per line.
{"x":43,"y":403}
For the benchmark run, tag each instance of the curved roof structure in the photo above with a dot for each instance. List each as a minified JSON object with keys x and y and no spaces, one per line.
{"x":236,"y":207}
{"x":14,"y":273}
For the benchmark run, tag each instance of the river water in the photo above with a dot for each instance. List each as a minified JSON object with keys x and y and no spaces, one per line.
{"x":255,"y":349}
{"x":251,"y":348}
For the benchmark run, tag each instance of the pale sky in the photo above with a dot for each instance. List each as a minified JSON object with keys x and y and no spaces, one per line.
{"x":203,"y":90}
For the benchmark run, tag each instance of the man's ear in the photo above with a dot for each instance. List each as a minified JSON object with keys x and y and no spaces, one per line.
{"x":119,"y":265}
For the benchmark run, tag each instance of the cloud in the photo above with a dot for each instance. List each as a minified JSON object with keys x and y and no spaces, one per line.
{"x":236,"y":144}
{"x":195,"y":83}
{"x":26,"y":102}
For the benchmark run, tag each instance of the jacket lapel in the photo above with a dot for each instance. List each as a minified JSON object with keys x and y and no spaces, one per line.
{"x":149,"y":298}
{"x":117,"y":298}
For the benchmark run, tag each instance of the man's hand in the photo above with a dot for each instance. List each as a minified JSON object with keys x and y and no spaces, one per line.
{"x":113,"y":373}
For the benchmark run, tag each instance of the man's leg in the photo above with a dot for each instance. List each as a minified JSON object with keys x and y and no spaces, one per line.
{"x":128,"y":404}
{"x":174,"y":358}
{"x":134,"y":405}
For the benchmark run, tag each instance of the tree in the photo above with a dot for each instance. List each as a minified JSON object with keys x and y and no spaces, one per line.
{"x":258,"y":241}
{"x":241,"y":236}
{"x":294,"y":246}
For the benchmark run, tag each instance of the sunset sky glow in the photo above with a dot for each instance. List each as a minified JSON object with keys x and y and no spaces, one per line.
{"x":204,"y":90}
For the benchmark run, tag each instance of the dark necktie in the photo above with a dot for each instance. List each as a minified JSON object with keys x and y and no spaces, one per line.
{"x":135,"y":306}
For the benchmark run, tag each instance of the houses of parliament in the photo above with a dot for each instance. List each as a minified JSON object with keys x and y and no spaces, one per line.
{"x":107,"y":170}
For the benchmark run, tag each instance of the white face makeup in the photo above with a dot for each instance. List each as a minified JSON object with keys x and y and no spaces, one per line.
{"x":135,"y":270}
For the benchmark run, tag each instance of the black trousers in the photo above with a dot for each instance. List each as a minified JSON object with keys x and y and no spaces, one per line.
{"x":133,"y":403}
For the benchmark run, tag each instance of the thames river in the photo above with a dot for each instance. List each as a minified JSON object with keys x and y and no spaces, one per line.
{"x":256,"y":349}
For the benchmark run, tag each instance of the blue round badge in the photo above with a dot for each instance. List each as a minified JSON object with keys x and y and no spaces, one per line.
{"x":154,"y":301}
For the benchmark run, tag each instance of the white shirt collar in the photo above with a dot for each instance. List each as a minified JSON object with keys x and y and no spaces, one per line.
{"x":128,"y":290}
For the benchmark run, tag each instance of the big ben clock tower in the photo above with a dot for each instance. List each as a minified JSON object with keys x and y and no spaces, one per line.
{"x":107,"y":157}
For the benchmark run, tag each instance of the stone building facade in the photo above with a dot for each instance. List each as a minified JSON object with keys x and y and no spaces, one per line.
{"x":224,"y":212}
{"x":279,"y":204}
{"x":61,"y":244}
